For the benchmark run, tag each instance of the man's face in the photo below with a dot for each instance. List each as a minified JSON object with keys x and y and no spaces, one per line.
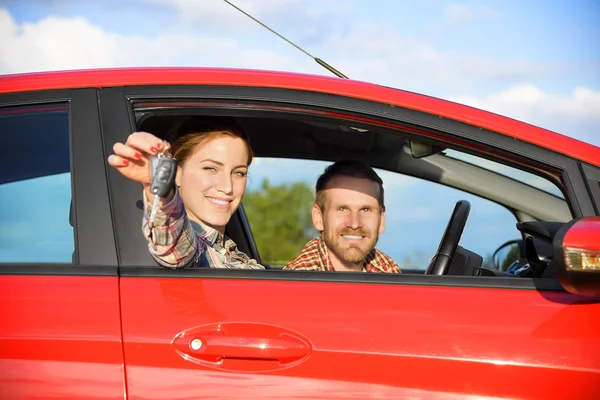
{"x":351,"y":218}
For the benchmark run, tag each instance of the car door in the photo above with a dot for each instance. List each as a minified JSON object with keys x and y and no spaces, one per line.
{"x":202,"y":333}
{"x":60,"y":335}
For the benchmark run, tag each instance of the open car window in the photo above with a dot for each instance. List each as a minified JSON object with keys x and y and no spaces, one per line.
{"x":280,"y":195}
{"x":424,"y":177}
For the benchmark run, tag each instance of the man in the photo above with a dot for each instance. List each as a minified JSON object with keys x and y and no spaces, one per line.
{"x":350,"y":214}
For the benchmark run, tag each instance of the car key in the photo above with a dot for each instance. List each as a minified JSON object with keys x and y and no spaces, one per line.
{"x":163,"y":170}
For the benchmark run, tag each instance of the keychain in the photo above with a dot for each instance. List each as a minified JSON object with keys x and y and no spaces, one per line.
{"x":163,"y":169}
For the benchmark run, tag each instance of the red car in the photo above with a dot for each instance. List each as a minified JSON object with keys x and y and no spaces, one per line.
{"x":87,"y":313}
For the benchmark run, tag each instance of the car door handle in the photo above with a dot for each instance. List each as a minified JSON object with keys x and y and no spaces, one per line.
{"x":216,"y":347}
{"x":251,"y":341}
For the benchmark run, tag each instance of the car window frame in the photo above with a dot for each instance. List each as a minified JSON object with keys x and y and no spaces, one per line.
{"x":95,"y":247}
{"x":119,"y":121}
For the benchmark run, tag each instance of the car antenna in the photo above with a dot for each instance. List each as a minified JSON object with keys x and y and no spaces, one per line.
{"x":318,"y":60}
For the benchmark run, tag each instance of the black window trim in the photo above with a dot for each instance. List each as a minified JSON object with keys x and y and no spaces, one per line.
{"x":592,"y":175}
{"x":117,"y":112}
{"x":95,"y":249}
{"x":542,"y":284}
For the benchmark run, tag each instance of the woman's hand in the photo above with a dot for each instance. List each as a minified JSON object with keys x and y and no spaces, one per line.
{"x":132,"y":159}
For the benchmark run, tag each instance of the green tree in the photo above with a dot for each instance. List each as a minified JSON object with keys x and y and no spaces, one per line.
{"x":488,"y":262}
{"x":513,"y":254}
{"x":280,"y":218}
{"x":506,"y":256}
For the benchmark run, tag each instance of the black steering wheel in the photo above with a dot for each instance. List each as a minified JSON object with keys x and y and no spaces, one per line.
{"x":440,"y":263}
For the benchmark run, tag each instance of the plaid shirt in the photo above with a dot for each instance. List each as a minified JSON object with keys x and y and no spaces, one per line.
{"x":176,"y":242}
{"x":314,"y":257}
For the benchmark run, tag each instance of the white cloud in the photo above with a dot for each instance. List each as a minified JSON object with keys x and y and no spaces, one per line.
{"x":522,"y":100}
{"x":579,"y":109}
{"x":43,"y":44}
{"x":56,"y":43}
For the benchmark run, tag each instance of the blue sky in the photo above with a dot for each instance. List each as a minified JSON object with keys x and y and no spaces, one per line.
{"x":534,"y":60}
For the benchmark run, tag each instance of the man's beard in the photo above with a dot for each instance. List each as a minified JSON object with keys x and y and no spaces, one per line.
{"x":353,"y":253}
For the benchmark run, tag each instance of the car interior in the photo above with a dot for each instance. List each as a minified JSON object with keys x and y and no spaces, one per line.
{"x":402,"y":150}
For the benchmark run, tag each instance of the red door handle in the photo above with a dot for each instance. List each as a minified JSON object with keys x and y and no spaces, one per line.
{"x":215,"y":347}
{"x":217,"y":342}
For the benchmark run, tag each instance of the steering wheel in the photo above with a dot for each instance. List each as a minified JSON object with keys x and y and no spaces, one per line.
{"x":440,"y":263}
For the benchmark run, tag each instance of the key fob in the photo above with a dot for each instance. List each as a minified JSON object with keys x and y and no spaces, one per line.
{"x":163,"y":175}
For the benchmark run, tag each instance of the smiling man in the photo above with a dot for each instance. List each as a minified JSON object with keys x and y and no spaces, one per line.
{"x":350,"y":214}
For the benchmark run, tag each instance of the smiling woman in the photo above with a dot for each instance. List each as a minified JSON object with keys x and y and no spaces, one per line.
{"x":213,"y":156}
{"x":213,"y":159}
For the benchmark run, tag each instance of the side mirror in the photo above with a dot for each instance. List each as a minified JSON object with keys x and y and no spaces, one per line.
{"x":577,"y":256}
{"x":507,"y":255}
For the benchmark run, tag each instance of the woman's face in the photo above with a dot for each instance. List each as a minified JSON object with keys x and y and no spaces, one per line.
{"x":212,"y":181}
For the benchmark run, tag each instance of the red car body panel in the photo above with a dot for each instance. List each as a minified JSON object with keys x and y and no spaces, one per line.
{"x":362,"y":343}
{"x":61,"y":338}
{"x":286,"y":80}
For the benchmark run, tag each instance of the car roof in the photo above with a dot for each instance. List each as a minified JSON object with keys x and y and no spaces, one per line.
{"x":111,"y":77}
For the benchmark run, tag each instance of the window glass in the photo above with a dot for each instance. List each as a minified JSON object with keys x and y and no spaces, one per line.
{"x":521,"y":176}
{"x":35,"y":185}
{"x":280,"y":195}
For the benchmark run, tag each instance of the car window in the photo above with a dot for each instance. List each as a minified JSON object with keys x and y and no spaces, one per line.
{"x":35,"y":185}
{"x":280,"y":195}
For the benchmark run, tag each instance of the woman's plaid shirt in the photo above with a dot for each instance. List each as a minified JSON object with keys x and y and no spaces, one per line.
{"x":176,"y":242}
{"x":314,"y":257}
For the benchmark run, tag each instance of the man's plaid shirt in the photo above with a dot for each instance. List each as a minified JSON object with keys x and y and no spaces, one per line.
{"x":314,"y":257}
{"x":176,"y":242}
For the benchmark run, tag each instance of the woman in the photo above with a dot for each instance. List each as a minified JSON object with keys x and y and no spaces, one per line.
{"x":213,"y":157}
